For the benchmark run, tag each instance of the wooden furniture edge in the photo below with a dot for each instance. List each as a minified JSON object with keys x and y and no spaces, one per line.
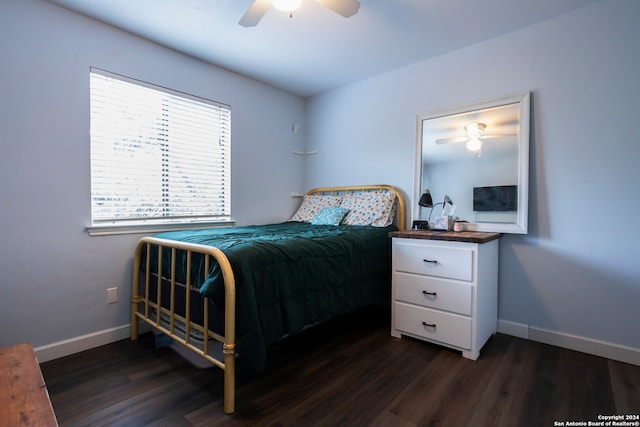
{"x":24,"y":399}
{"x":451,"y":236}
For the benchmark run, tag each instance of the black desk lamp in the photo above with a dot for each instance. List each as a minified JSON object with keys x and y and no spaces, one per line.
{"x":425,"y":202}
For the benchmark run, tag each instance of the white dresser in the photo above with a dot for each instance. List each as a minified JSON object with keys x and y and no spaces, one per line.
{"x":445,"y":288}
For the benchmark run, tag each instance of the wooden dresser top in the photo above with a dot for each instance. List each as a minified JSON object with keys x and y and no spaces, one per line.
{"x":451,"y":236}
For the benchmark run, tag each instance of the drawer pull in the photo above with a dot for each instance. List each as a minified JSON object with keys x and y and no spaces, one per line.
{"x":431,"y":294}
{"x":431,"y":261}
{"x":430,"y":325}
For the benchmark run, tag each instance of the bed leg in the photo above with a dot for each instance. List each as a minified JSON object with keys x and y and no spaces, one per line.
{"x":135,"y":290}
{"x":229,"y":378}
{"x":134,"y":321}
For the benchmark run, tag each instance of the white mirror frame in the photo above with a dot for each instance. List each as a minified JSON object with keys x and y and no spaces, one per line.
{"x":523,"y":99}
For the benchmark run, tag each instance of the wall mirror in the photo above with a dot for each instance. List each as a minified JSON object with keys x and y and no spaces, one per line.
{"x":478,"y":156}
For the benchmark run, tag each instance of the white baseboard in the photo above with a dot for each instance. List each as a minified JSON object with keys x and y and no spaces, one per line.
{"x":572,"y":342}
{"x":605,"y":349}
{"x":586,"y":345}
{"x":519,"y":330}
{"x":64,"y":348}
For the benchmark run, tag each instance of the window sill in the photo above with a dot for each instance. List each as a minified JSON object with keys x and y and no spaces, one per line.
{"x":146,"y":228}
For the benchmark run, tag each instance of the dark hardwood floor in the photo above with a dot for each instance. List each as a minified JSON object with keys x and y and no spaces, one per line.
{"x":347,"y":373}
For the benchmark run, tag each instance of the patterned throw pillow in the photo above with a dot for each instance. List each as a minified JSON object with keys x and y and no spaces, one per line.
{"x":369,"y":208}
{"x":311,"y":205}
{"x":329,"y":216}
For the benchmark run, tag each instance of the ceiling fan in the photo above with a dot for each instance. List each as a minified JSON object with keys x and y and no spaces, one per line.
{"x":474,"y":136}
{"x":259,"y":8}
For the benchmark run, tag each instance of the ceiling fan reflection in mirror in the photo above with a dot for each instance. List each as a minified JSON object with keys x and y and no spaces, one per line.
{"x":259,"y":8}
{"x":474,"y":136}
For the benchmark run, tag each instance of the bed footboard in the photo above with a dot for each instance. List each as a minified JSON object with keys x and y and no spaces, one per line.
{"x":152,"y":310}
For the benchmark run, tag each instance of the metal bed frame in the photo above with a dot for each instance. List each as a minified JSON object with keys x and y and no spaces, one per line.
{"x":153,"y":311}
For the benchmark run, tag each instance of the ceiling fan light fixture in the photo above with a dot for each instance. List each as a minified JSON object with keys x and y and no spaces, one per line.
{"x":474,"y":144}
{"x":286,"y":5}
{"x":474,"y":132}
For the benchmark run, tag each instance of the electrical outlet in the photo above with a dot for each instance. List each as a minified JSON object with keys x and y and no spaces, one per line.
{"x":112,"y":295}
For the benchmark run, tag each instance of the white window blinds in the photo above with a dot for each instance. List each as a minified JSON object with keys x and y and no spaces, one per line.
{"x":156,"y":154}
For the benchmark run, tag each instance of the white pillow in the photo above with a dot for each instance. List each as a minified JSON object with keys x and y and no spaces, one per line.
{"x":312,"y":204}
{"x":374,"y":208}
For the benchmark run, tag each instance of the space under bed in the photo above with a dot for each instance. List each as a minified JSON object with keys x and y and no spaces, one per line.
{"x":227,"y":293}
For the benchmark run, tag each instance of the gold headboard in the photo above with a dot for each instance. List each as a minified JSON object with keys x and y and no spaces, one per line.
{"x":400,"y":218}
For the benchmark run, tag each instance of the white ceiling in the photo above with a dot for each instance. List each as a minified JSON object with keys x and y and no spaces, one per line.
{"x":317,"y":49}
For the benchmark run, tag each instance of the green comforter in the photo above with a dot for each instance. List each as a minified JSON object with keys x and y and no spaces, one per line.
{"x":293,"y":274}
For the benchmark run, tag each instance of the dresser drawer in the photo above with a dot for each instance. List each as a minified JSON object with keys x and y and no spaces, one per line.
{"x":446,"y":328}
{"x":448,"y":262}
{"x":432,"y":292}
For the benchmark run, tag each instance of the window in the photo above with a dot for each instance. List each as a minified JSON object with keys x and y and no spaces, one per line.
{"x":157,"y":156}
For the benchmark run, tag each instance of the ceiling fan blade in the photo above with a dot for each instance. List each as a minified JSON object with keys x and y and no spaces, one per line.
{"x":345,"y":8}
{"x":451,"y":140}
{"x":507,"y":137}
{"x":254,"y":14}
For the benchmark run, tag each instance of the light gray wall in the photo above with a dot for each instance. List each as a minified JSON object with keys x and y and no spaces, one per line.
{"x":53,"y":276}
{"x":577,"y":271}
